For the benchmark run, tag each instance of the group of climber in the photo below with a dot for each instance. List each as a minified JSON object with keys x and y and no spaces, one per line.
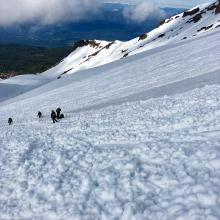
{"x":55,"y":116}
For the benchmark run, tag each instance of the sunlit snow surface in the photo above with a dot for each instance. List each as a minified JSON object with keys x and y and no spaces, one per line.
{"x":155,"y":159}
{"x":140,"y":139}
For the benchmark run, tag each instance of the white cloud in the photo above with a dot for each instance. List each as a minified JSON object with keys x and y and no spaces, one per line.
{"x":167,"y":3}
{"x":142,"y":11}
{"x":45,"y":11}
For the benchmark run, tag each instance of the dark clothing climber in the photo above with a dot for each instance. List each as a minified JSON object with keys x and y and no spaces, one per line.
{"x":10,"y":121}
{"x":58,"y":111}
{"x":39,"y":114}
{"x":54,"y":116}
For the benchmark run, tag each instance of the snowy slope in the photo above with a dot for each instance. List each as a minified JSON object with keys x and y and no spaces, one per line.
{"x":140,"y":139}
{"x":89,"y":54}
{"x":162,"y":66}
{"x":155,"y":154}
{"x":187,"y":25}
{"x":156,"y":159}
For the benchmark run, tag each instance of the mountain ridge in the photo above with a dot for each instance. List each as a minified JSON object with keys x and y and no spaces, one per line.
{"x":186,"y":25}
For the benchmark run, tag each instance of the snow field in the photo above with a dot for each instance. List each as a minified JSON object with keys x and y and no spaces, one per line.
{"x":155,"y":159}
{"x":137,"y":74}
{"x":140,"y":138}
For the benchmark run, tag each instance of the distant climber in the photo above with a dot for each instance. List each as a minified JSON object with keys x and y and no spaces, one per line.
{"x":58,"y":111}
{"x":39,"y":114}
{"x":54,"y":116}
{"x":10,"y":121}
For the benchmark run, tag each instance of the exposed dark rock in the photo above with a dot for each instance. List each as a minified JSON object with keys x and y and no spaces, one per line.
{"x":184,"y":38}
{"x":211,"y":7}
{"x":165,"y":21}
{"x":142,"y":37}
{"x":125,"y":55}
{"x":123,"y":51}
{"x":93,"y":55}
{"x":83,"y":43}
{"x":169,"y":20}
{"x":109,"y":45}
{"x":215,"y":6}
{"x":67,"y":71}
{"x":94,"y":44}
{"x":162,"y":22}
{"x":217,"y":26}
{"x":205,"y":28}
{"x":196,"y":18}
{"x":161,"y":35}
{"x":217,"y":10}
{"x":98,"y":51}
{"x":190,"y":13}
{"x":64,"y":73}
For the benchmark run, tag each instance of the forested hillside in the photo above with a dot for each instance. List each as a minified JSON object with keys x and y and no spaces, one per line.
{"x":17,"y":59}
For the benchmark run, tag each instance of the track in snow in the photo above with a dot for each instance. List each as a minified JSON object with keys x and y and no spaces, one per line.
{"x":150,"y":159}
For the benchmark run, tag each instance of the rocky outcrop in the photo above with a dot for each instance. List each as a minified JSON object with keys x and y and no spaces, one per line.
{"x":217,"y":10}
{"x":98,"y":51}
{"x":205,"y":28}
{"x":215,"y":7}
{"x":190,"y":13}
{"x":109,"y":45}
{"x":196,"y":18}
{"x":142,"y":37}
{"x":166,"y":21}
{"x":125,"y":55}
{"x":161,"y":35}
{"x":83,"y":43}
